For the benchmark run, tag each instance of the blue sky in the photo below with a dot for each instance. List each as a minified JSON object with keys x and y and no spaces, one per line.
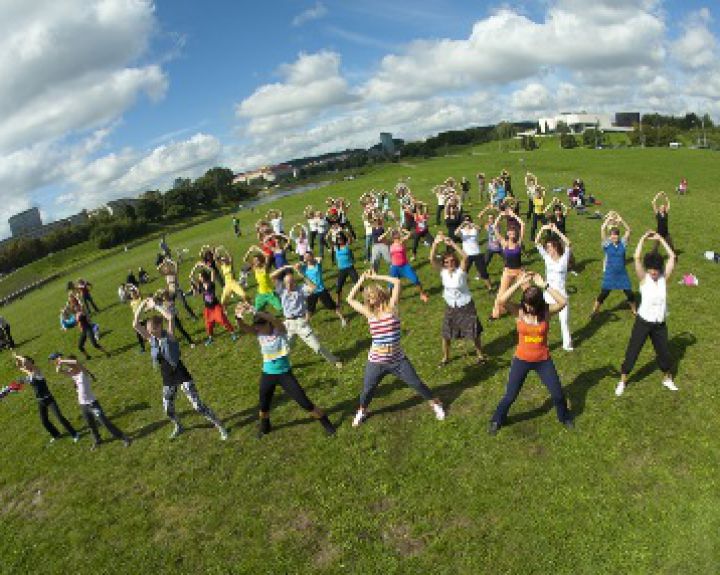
{"x":107,"y":98}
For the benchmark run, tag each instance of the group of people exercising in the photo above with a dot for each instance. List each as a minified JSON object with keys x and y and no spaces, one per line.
{"x":291,"y":291}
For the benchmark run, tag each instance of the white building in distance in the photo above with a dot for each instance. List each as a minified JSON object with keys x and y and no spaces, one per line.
{"x":577,"y":122}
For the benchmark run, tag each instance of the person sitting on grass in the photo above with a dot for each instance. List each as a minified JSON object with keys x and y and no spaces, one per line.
{"x":386,"y":356}
{"x":276,"y":368}
{"x":91,"y":409}
{"x":165,"y":352}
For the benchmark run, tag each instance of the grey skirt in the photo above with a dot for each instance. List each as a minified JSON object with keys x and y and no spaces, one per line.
{"x":461,"y":322}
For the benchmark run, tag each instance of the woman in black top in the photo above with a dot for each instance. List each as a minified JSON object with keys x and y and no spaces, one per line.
{"x":45,"y":399}
{"x":453,"y":219}
{"x":661,"y":217}
{"x":166,"y":354}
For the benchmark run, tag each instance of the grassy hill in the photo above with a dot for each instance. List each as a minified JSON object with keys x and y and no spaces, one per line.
{"x":633,"y":489}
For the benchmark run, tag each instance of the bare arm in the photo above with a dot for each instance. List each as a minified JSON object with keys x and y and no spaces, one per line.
{"x":280,"y":271}
{"x":561,"y":235}
{"x":439,"y":238}
{"x":137,"y":324}
{"x":395,"y":295}
{"x":670,"y":263}
{"x":637,"y":258}
{"x":504,"y":297}
{"x":355,"y":304}
{"x":458,"y":250}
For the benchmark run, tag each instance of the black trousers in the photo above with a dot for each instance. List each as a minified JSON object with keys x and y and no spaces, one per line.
{"x":90,"y":302}
{"x":8,"y":337}
{"x":426,"y":235}
{"x":641,"y":331}
{"x":629,"y":295}
{"x":289,"y":383}
{"x":536,"y":218}
{"x":439,"y":215}
{"x":48,"y":404}
{"x":87,"y":333}
{"x":93,"y":412}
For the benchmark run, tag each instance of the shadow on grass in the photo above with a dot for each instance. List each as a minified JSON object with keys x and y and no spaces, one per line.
{"x":580,"y":266}
{"x":577,"y":391}
{"x":128,"y":409}
{"x":678,"y":345}
{"x":27,"y":340}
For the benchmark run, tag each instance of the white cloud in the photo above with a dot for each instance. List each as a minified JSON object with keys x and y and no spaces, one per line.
{"x":508,"y":46}
{"x":314,"y":13}
{"x":532,"y":97}
{"x":697,"y":47}
{"x":312,"y":84}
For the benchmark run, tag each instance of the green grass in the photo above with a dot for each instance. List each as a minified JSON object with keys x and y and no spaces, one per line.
{"x":633,"y":489}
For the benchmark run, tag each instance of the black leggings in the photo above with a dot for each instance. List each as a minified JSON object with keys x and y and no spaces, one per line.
{"x":439,"y":215}
{"x":313,"y":237}
{"x":289,"y":383}
{"x":87,"y":333}
{"x":419,"y":236}
{"x":49,"y":404}
{"x":480,"y":265}
{"x":519,"y":370}
{"x":92,"y":412}
{"x":181,"y":294}
{"x":658,"y":334}
{"x":90,"y":302}
{"x":629,"y":295}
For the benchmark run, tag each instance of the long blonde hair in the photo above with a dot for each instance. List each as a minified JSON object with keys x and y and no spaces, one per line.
{"x":376,"y":297}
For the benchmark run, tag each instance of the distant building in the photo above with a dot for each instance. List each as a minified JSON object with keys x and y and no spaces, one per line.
{"x":267,"y":173}
{"x":116,"y":207}
{"x":387,"y":143}
{"x":579,"y":122}
{"x":627,"y":119}
{"x":25,"y":223}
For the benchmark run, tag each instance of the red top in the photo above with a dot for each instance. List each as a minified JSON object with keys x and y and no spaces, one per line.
{"x":532,"y":341}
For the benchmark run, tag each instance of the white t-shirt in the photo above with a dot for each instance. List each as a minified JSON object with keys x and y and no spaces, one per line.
{"x":312,"y":224}
{"x":82,"y":386}
{"x":277,"y":225}
{"x":653,"y":299}
{"x":456,"y":292}
{"x":555,"y":271}
{"x":469,"y":237}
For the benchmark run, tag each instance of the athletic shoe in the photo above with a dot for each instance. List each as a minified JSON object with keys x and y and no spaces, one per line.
{"x":439,"y":411}
{"x":569,"y":424}
{"x":338,"y":364}
{"x":126,"y":441}
{"x":52,"y":440}
{"x":223,"y":433}
{"x":234,"y":336}
{"x":343,"y":322}
{"x":620,"y":389}
{"x":569,"y":348}
{"x":95,"y":445}
{"x":670,"y":384}
{"x":192,"y":346}
{"x":477,"y":278}
{"x":76,"y":438}
{"x":177,"y":431}
{"x":359,"y":418}
{"x":573,"y":272}
{"x":493,"y":428}
{"x":208,"y":341}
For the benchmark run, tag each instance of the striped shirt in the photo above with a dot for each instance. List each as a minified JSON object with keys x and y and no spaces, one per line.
{"x":385,"y":346}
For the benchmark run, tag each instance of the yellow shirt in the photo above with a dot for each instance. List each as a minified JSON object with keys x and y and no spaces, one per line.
{"x":539,"y":205}
{"x":135,"y":304}
{"x":227,"y":272}
{"x":263,"y":281}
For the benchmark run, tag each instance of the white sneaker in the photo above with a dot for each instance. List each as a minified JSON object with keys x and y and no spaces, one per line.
{"x":670,"y":384}
{"x":439,"y":411}
{"x":359,"y":418}
{"x":620,"y":389}
{"x":569,"y":348}
{"x":223,"y":433}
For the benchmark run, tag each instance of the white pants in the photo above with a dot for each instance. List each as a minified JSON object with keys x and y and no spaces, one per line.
{"x":301,"y":327}
{"x":564,"y":317}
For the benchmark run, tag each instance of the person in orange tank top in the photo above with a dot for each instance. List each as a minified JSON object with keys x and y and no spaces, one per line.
{"x":532,"y":353}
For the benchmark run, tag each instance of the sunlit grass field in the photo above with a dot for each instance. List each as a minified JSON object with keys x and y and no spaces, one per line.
{"x":633,"y":489}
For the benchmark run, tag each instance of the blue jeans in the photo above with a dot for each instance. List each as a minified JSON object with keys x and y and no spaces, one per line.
{"x":519,"y":370}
